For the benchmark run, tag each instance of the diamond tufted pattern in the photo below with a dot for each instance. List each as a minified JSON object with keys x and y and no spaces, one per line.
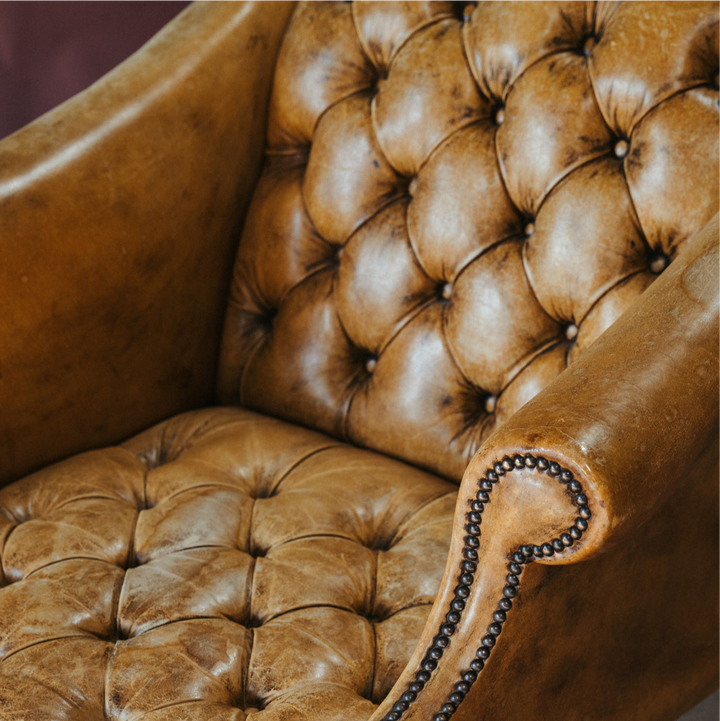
{"x":453,"y":208}
{"x":218,"y":563}
{"x":455,"y":203}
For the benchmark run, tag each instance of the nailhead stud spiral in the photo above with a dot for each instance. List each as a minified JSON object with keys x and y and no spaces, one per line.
{"x":519,"y":559}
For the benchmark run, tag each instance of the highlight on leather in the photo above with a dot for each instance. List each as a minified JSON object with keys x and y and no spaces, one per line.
{"x":455,"y":205}
{"x":454,"y":208}
{"x":217,"y":563}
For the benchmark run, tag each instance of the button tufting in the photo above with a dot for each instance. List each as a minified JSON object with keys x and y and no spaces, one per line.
{"x":658,"y":263}
{"x":267,"y":318}
{"x":490,"y":403}
{"x":589,"y":45}
{"x":446,"y":291}
{"x":379,"y":81}
{"x":370,"y":364}
{"x":467,"y":13}
{"x":500,"y":116}
{"x":412,"y":187}
{"x":571,"y":331}
{"x":621,"y":148}
{"x":529,"y":229}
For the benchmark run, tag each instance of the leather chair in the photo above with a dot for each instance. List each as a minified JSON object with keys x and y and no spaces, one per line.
{"x":441,"y":212}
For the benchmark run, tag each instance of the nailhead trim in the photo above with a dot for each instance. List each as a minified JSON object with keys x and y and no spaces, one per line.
{"x":519,"y":559}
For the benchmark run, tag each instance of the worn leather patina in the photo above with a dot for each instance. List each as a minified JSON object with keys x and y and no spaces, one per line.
{"x":463,"y":459}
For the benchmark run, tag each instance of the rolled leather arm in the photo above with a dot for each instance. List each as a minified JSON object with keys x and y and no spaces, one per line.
{"x":576,"y":470}
{"x":119,"y":213}
{"x":634,"y":413}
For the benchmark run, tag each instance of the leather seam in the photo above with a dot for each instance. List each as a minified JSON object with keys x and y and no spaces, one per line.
{"x":471,"y":66}
{"x":660,"y":101}
{"x":246,"y":675}
{"x":46,"y":640}
{"x":609,"y":290}
{"x":168,"y":705}
{"x":250,"y":533}
{"x":344,"y":609}
{"x":417,"y":510}
{"x":69,"y":558}
{"x":371,"y":614}
{"x":294,"y":466}
{"x":423,"y":26}
{"x":3,"y":574}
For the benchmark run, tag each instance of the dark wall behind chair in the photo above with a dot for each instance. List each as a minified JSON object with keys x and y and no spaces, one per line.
{"x":49,"y":51}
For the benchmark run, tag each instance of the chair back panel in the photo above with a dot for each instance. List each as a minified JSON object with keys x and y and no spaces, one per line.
{"x":454,"y":206}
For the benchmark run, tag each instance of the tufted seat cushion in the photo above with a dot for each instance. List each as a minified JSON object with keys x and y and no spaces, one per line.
{"x":219,"y":563}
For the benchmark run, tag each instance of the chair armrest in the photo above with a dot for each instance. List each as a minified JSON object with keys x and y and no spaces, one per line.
{"x":634,"y":413}
{"x":119,"y":213}
{"x":626,"y":423}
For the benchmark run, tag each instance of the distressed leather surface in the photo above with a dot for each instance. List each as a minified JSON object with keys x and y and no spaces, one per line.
{"x":452,"y":209}
{"x":118,"y":212}
{"x":219,"y":564}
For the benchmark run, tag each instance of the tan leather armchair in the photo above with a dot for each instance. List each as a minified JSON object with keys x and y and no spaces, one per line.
{"x":474,"y":245}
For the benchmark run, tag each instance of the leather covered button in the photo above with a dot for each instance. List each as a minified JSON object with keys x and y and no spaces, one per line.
{"x":447,"y":290}
{"x":621,"y":148}
{"x":658,"y":263}
{"x":571,"y":331}
{"x":370,"y":365}
{"x":194,"y":612}
{"x":516,"y":117}
{"x":490,"y":404}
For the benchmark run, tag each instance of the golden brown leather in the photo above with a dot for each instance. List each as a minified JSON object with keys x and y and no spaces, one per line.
{"x":117,"y":215}
{"x":656,"y":368}
{"x":218,"y":562}
{"x":653,"y":496}
{"x":453,"y":207}
{"x":453,"y":210}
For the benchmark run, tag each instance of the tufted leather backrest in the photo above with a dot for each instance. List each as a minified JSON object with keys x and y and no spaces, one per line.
{"x":452,"y":209}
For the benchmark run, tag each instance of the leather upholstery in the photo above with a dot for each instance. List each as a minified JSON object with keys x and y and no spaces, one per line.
{"x":218,"y":562}
{"x":454,"y":209}
{"x":623,"y":381}
{"x":112,"y":207}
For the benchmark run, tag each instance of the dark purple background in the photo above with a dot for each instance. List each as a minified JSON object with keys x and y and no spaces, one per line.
{"x":50,"y":51}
